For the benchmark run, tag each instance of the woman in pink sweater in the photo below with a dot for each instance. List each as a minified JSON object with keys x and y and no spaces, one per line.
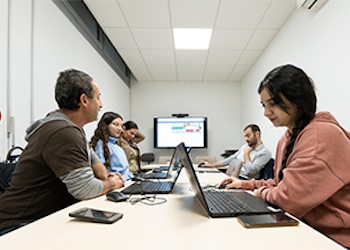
{"x":312,"y":164}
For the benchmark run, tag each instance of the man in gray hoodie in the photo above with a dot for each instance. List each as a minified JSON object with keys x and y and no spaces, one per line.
{"x":57,"y":167}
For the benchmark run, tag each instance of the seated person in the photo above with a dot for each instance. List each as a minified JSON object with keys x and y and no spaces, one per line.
{"x":128,"y":140}
{"x":312,"y":177}
{"x":104,"y":142}
{"x":254,"y":154}
{"x":57,"y":169}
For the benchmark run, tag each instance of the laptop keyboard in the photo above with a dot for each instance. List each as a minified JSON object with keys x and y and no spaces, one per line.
{"x":224,"y":202}
{"x":148,"y":187}
{"x":156,"y":186}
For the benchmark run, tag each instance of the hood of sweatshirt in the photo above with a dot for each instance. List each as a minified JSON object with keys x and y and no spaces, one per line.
{"x":52,"y":116}
{"x":325,"y":116}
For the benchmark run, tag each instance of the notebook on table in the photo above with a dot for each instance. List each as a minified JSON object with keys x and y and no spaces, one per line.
{"x":222,"y":203}
{"x":157,"y":187}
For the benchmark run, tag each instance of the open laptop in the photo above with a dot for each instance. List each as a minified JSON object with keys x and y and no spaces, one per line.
{"x":166,"y":168}
{"x":158,"y":187}
{"x":162,"y":173}
{"x":222,"y":203}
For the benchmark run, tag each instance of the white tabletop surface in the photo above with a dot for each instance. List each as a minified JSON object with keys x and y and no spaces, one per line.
{"x":179,"y":223}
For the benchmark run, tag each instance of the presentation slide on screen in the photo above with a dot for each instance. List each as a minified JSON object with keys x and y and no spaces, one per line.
{"x":171,"y":133}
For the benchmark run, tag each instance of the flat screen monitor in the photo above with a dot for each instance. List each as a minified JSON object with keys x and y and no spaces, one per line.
{"x":170,"y":131}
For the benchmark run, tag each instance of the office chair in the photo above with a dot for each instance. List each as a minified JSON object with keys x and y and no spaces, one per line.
{"x":11,"y":157}
{"x":234,"y":168}
{"x":147,"y":157}
{"x":267,"y":172}
{"x":209,"y":159}
{"x":6,"y":170}
{"x":164,"y":159}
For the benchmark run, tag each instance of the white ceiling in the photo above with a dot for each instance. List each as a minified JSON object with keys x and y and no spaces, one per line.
{"x":141,"y":31}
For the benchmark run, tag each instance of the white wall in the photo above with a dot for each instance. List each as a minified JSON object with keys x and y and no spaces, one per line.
{"x":319,"y":43}
{"x":3,"y":75}
{"x":43,"y":42}
{"x":220,"y":102}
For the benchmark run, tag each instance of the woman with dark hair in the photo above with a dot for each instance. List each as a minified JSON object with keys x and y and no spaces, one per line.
{"x":128,"y":140}
{"x":312,"y":177}
{"x":104,"y":142}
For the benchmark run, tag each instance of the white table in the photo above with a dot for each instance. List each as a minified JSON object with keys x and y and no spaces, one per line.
{"x":180,"y":223}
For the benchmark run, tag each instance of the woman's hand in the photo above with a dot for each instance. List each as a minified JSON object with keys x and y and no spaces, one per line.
{"x":231,"y":182}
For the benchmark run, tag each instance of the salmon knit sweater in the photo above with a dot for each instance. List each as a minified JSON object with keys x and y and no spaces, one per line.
{"x":316,"y":182}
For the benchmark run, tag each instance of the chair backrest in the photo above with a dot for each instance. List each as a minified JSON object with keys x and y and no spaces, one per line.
{"x":209,"y":159}
{"x":6,"y":170}
{"x":234,"y":168}
{"x":164,"y":159}
{"x":267,"y":171}
{"x":147,"y":157}
{"x":11,"y":156}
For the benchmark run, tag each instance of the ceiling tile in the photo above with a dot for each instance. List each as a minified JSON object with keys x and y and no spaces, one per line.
{"x":153,"y":38}
{"x":141,"y":30}
{"x":230,"y":38}
{"x":223,"y":70}
{"x":241,"y":14}
{"x":249,"y":56}
{"x":241,"y":69}
{"x":158,"y":56}
{"x":131,"y":56}
{"x":163,"y":72}
{"x":121,"y":38}
{"x":216,"y":78}
{"x":191,"y":56}
{"x":140,"y":71}
{"x":107,"y":12}
{"x":193,"y":14}
{"x":277,"y":13}
{"x":260,"y":39}
{"x":235,"y":78}
{"x":190,"y":72}
{"x":146,"y":13}
{"x":224,"y":56}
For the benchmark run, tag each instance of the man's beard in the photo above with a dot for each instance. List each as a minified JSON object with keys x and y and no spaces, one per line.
{"x":253,"y":142}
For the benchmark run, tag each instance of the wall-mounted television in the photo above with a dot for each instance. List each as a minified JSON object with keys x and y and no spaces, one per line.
{"x":170,"y":131}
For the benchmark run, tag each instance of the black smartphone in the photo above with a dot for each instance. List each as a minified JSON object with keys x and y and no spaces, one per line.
{"x":94,"y":215}
{"x":267,"y":220}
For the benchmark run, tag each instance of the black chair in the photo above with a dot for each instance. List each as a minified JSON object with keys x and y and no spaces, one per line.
{"x":11,"y":157}
{"x":6,"y":170}
{"x":267,"y":171}
{"x":7,"y":167}
{"x":147,"y":157}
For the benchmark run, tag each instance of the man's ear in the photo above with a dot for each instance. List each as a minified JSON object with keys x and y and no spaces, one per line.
{"x":83,"y":100}
{"x":257,"y":133}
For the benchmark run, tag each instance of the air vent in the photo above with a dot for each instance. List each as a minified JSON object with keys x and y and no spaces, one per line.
{"x":311,"y":5}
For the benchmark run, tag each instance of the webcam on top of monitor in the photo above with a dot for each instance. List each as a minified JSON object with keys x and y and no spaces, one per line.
{"x":180,"y":115}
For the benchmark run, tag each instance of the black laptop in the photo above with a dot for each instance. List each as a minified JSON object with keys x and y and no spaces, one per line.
{"x":158,"y":186}
{"x":222,"y":203}
{"x":161,"y":172}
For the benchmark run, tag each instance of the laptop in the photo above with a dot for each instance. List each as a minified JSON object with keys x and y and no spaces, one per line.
{"x":156,"y":186}
{"x":222,"y":203}
{"x":161,"y":172}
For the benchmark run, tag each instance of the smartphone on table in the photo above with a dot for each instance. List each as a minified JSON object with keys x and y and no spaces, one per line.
{"x":95,"y":215}
{"x":267,"y":220}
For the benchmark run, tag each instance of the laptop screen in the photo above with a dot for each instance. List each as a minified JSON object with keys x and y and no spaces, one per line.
{"x":234,"y":202}
{"x":187,"y":164}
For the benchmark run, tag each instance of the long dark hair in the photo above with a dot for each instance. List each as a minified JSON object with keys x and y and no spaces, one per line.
{"x":130,"y":125}
{"x":293,"y":84}
{"x":102,"y":133}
